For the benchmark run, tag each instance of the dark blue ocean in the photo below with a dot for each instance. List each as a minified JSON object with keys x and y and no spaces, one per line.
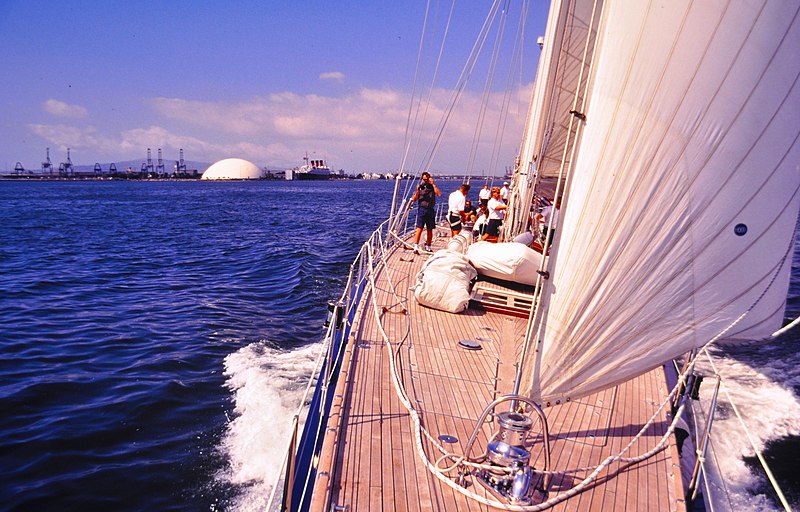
{"x":155,"y":338}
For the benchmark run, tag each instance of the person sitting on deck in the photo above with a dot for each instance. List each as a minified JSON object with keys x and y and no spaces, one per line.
{"x":469,"y":210}
{"x":479,"y":228}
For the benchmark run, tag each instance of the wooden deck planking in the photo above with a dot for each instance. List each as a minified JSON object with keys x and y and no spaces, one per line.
{"x":377,"y":465}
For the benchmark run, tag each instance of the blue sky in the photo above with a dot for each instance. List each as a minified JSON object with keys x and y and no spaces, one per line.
{"x":263,"y":80}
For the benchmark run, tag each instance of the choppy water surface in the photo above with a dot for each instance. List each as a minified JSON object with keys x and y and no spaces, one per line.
{"x":133,"y":314}
{"x":155,"y":338}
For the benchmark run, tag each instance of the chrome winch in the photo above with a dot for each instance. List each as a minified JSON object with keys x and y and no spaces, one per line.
{"x":510,"y":473}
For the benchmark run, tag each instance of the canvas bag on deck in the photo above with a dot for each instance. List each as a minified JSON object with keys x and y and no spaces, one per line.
{"x":443,"y":282}
{"x":511,"y":261}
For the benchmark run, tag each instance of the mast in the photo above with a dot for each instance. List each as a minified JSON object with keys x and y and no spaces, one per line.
{"x":524,"y":166}
{"x":552,"y":134}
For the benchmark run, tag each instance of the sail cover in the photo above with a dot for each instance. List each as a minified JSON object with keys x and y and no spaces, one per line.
{"x":683,"y":198}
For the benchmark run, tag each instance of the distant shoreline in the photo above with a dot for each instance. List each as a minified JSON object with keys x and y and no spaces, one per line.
{"x":46,"y":178}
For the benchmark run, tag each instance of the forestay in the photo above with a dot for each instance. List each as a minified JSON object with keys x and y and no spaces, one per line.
{"x":683,"y":198}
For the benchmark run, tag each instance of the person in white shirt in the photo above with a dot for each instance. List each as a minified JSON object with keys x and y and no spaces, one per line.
{"x":455,"y":208}
{"x":548,"y":220}
{"x":497,"y":212}
{"x":484,"y":195}
{"x":504,"y":192}
{"x":479,"y":228}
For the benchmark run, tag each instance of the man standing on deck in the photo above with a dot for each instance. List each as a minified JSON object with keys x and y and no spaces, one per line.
{"x":425,"y":196}
{"x":484,"y":195}
{"x":455,"y":208}
{"x":548,"y":220}
{"x":497,"y":213}
{"x":504,"y":192}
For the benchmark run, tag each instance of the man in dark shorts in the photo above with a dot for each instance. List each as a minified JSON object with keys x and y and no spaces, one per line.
{"x":456,"y":205}
{"x":425,"y":196}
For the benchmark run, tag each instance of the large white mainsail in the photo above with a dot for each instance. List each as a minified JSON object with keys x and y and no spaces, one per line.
{"x":683,"y":198}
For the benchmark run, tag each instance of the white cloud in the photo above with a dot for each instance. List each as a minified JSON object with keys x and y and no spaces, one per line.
{"x":63,"y":136}
{"x":334,"y":76}
{"x":363,"y":130}
{"x":133,"y":144}
{"x":61,"y":109}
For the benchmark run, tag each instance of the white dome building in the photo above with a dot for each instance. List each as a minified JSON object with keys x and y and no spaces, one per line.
{"x":232,"y":169}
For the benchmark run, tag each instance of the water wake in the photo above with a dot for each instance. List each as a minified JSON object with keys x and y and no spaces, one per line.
{"x":771,"y":412}
{"x":267,"y":384}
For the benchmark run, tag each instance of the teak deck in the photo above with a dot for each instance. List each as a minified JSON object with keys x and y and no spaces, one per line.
{"x":369,"y":460}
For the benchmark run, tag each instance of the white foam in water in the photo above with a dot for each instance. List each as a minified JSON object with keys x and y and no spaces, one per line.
{"x":770,"y":411}
{"x":268,"y":385}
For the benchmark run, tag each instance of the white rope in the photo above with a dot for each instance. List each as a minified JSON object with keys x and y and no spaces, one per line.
{"x":419,"y":430}
{"x":437,"y":471}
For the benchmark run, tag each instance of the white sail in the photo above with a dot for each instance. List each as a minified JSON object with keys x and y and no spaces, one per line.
{"x":683,"y":197}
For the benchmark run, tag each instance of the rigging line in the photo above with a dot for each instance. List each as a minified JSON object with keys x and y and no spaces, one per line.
{"x":549,"y":102}
{"x":427,"y":102}
{"x":724,"y":485}
{"x":418,"y":144}
{"x":487,"y":86}
{"x":461,"y":84}
{"x":378,"y":319}
{"x":795,"y":14}
{"x":419,"y":431}
{"x":690,"y":368}
{"x":581,"y":108}
{"x":791,"y":325}
{"x":435,"y":470}
{"x":384,"y":248}
{"x":730,"y":326}
{"x":516,"y":63}
{"x":406,"y":142}
{"x":758,"y":453}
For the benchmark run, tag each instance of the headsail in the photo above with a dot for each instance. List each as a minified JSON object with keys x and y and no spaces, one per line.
{"x":683,"y":198}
